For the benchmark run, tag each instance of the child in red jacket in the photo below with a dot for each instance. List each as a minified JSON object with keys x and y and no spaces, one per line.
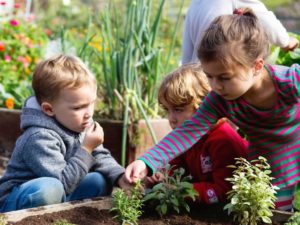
{"x":180,"y":94}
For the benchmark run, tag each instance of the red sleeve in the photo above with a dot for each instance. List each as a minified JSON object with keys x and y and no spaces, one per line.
{"x":223,"y":144}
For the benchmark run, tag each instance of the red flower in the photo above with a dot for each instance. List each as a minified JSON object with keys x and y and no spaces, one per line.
{"x":48,"y":32}
{"x":14,"y":23}
{"x":17,"y":5}
{"x":2,"y":3}
{"x":2,"y":47}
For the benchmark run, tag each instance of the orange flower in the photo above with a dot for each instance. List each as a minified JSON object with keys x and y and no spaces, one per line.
{"x":28,"y":58}
{"x":9,"y":103}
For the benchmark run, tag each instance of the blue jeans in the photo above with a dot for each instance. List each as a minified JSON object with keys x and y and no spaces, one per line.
{"x":47,"y":190}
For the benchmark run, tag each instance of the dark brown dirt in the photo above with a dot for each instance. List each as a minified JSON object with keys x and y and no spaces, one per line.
{"x":209,"y":215}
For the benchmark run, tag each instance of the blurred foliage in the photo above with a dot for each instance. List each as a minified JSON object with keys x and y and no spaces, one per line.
{"x":22,"y":43}
{"x":272,"y":4}
{"x":278,"y":56}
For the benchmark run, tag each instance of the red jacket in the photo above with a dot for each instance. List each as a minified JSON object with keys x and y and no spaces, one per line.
{"x":208,"y":159}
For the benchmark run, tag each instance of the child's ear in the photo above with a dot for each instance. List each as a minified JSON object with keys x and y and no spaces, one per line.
{"x":259,"y":65}
{"x":47,"y":108}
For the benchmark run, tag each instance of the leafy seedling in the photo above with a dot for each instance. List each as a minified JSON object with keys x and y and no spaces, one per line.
{"x":252,"y":196}
{"x":294,"y":219}
{"x":128,"y":206}
{"x":172,"y":193}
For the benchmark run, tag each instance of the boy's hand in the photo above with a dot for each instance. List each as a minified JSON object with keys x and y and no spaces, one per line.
{"x":135,"y":171}
{"x":124,"y":184}
{"x":293,"y":44}
{"x":153,"y":180}
{"x":94,"y":136}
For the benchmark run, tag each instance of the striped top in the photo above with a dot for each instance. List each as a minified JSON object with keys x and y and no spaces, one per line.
{"x":273,"y":133}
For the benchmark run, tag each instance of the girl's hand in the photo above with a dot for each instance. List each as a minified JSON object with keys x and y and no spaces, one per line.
{"x":94,"y":137}
{"x":135,"y":171}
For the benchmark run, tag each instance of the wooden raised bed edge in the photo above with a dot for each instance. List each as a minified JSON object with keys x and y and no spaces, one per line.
{"x":100,"y":203}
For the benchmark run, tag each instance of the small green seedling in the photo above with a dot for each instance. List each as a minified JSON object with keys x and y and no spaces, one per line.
{"x":294,"y":219}
{"x":172,"y":192}
{"x":252,"y":196}
{"x":62,"y":222}
{"x":128,"y":206}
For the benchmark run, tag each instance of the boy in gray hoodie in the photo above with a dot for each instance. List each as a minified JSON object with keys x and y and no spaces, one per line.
{"x":60,"y":156}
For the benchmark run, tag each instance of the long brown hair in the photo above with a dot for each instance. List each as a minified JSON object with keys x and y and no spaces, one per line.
{"x":236,"y":39}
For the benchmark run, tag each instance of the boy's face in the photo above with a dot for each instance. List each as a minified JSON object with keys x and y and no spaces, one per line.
{"x":178,"y":114}
{"x":74,"y":107}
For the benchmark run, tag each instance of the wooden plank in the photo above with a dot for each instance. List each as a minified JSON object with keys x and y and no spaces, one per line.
{"x":281,"y":216}
{"x":98,"y":203}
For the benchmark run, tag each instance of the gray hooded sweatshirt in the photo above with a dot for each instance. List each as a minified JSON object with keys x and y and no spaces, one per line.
{"x":47,"y":149}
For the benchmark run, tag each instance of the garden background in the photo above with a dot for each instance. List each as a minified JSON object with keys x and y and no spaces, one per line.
{"x":128,"y":44}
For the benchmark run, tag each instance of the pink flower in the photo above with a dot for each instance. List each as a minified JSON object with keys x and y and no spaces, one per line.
{"x":31,"y":17}
{"x":17,"y":5}
{"x":7,"y":58}
{"x":2,"y":3}
{"x":20,"y":59}
{"x":14,"y":23}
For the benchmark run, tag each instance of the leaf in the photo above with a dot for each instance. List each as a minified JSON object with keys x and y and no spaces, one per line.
{"x":266,"y":219}
{"x":164,"y":209}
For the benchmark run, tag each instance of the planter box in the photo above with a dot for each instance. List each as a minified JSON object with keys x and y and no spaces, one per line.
{"x":139,"y":138}
{"x":9,"y":132}
{"x":96,"y":211}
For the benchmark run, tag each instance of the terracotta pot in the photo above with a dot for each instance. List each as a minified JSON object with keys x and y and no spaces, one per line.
{"x":9,"y":132}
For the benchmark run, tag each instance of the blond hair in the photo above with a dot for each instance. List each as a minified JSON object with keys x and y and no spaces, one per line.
{"x":186,"y":85}
{"x":236,"y":39}
{"x":56,"y":73}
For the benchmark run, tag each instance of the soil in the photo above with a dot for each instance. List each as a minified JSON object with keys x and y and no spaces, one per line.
{"x":208,"y":215}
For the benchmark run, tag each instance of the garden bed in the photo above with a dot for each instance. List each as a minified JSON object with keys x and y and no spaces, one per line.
{"x":96,"y":212}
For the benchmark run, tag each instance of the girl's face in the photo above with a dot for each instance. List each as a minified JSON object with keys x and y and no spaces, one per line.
{"x":228,"y":83}
{"x":178,"y":114}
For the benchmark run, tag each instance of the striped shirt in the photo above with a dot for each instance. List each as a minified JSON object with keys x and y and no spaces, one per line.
{"x":273,"y":134}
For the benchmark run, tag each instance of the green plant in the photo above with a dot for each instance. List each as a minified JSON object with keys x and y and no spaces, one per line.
{"x":62,"y":222}
{"x":132,"y":62}
{"x":278,"y":56}
{"x":294,"y":219}
{"x":172,"y":192}
{"x":252,"y":196}
{"x":128,"y":206}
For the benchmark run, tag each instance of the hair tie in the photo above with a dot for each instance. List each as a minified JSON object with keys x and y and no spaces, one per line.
{"x":238,"y":12}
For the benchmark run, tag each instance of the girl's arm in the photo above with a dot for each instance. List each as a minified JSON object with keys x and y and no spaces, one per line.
{"x":183,"y":137}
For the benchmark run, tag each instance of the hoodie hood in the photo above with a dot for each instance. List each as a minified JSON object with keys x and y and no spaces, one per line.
{"x":33,"y":116}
